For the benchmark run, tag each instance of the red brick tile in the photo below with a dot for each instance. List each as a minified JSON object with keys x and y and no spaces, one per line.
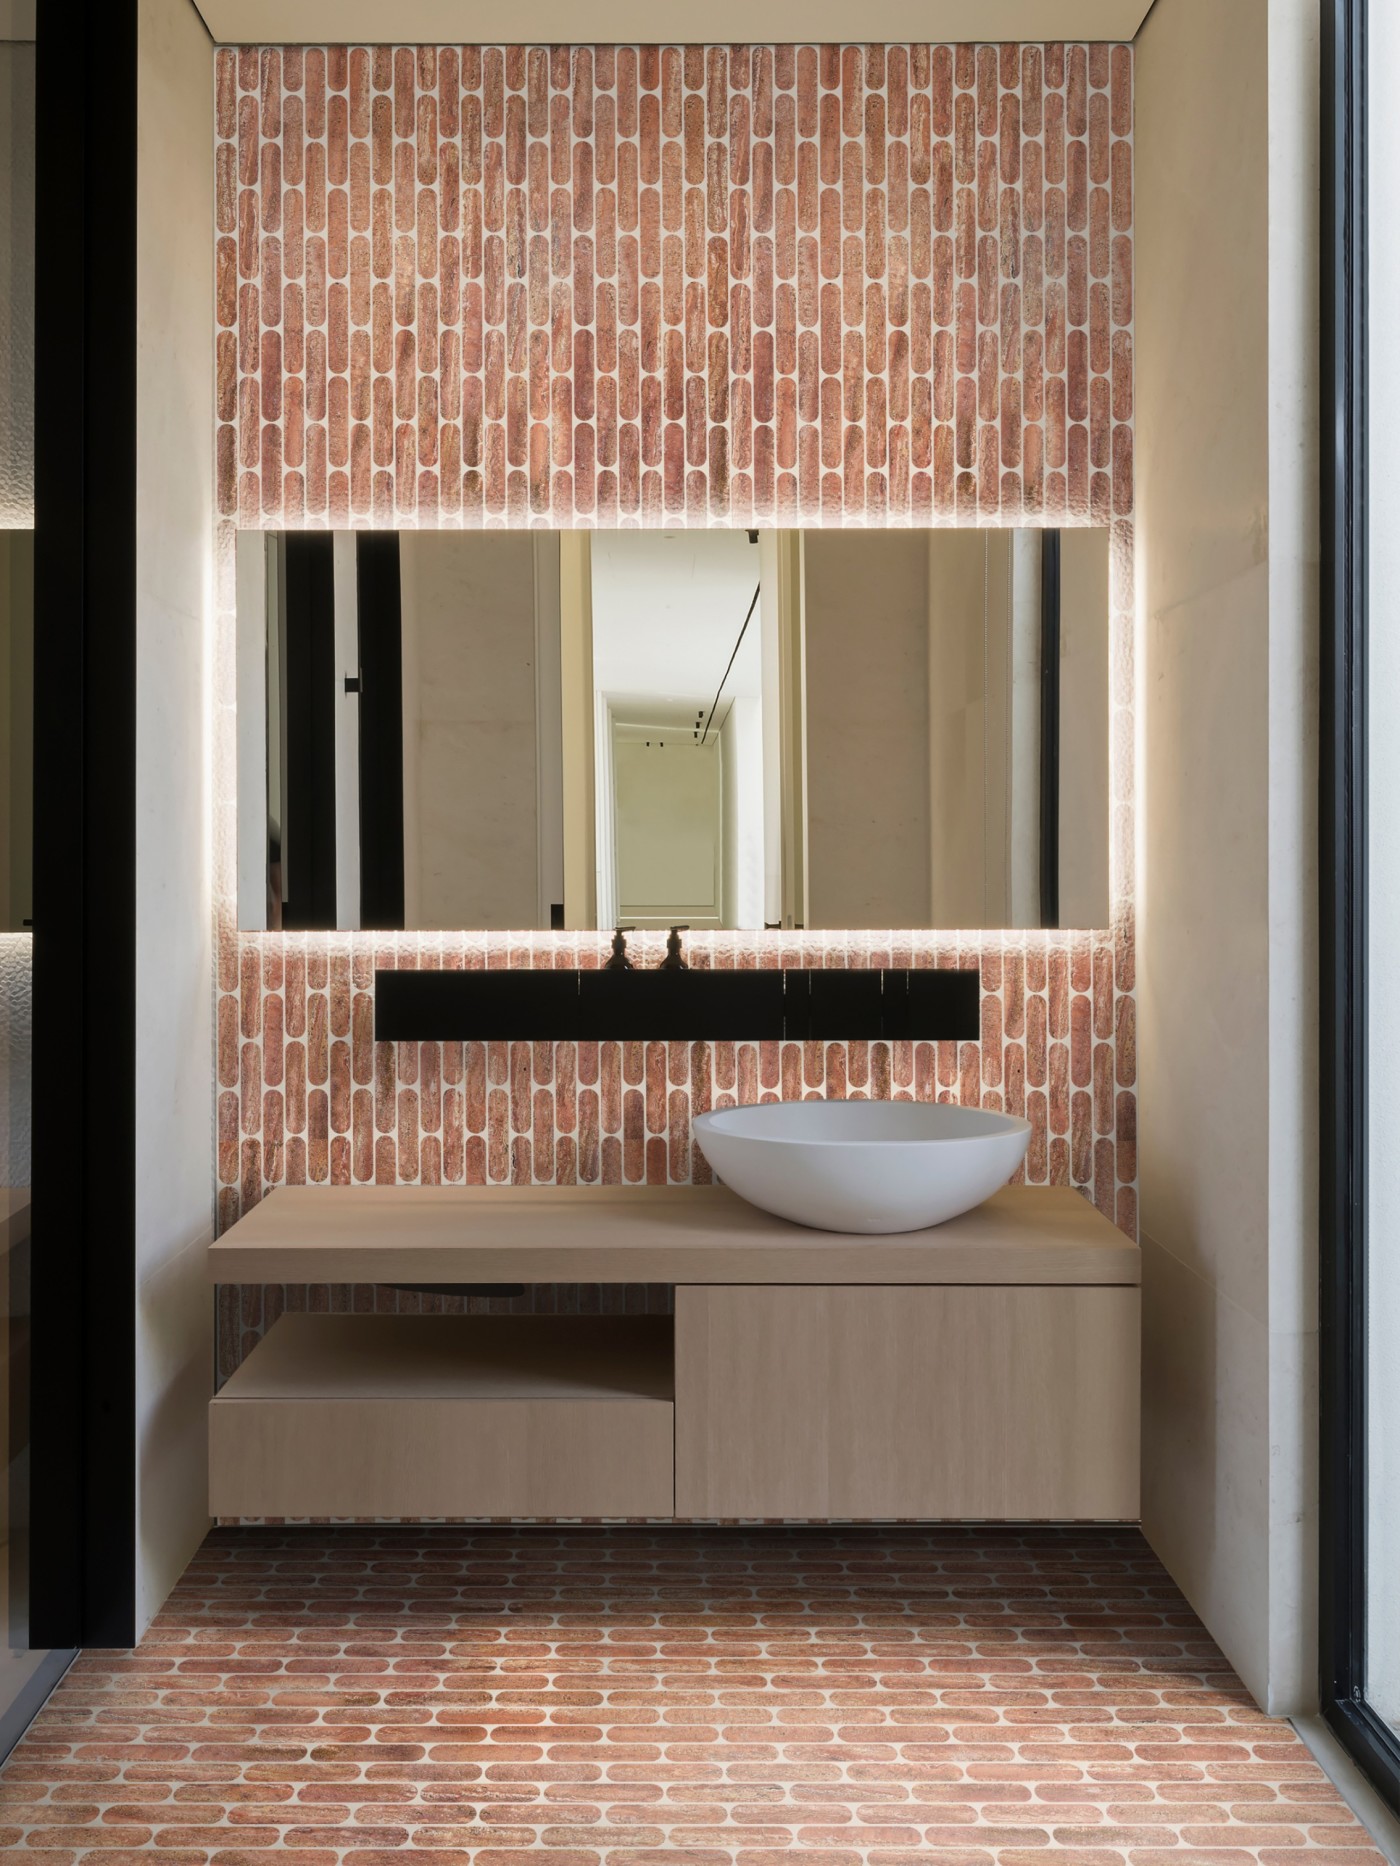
{"x":320,"y":1691}
{"x":943,"y":234}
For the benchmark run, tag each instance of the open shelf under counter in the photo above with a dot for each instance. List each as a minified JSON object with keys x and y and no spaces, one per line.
{"x":651,"y":1234}
{"x":448,"y":1415}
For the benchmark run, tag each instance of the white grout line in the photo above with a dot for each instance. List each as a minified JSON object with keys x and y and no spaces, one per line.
{"x":1354,"y":1788}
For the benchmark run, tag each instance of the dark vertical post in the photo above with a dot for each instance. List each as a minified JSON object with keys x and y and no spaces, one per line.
{"x":309,"y":814}
{"x":84,"y":1144}
{"x":379,"y":589}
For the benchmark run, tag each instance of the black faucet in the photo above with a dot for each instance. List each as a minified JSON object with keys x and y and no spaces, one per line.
{"x":619,"y":961}
{"x":673,"y":962}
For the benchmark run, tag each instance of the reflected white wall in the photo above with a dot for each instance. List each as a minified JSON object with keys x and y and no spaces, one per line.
{"x":742,"y":741}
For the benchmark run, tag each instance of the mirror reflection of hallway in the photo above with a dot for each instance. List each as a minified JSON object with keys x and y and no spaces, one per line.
{"x":724,"y":729}
{"x":668,"y":826}
{"x":678,"y":622}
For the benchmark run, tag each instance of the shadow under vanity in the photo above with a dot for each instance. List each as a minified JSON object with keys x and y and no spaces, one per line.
{"x":725,"y":732}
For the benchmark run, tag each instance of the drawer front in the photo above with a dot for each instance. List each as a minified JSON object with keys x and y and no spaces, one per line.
{"x":928,"y":1403}
{"x":440,"y":1457}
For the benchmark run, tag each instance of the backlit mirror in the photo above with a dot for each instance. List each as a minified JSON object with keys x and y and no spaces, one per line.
{"x":445,"y":730}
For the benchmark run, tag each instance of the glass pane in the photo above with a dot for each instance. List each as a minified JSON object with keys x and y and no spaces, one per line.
{"x":1383,"y":981}
{"x":17,"y":1663}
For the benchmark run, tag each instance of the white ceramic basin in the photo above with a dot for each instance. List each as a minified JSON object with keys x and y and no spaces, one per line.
{"x":871,"y":1166}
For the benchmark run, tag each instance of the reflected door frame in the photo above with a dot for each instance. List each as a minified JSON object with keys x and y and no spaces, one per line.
{"x":577,"y":735}
{"x":589,"y":902}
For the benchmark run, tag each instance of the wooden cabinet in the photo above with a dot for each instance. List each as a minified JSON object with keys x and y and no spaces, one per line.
{"x":447,"y":1415}
{"x":984,"y":1369}
{"x":963,"y":1402}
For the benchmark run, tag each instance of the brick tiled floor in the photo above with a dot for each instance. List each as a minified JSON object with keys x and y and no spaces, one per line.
{"x":669,"y":1698}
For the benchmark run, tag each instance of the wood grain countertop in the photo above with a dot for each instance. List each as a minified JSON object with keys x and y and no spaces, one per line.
{"x":650,"y":1234}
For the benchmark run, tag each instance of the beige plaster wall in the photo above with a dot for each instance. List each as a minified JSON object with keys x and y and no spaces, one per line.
{"x":174,"y":1061}
{"x":865,"y":620}
{"x":471,"y":828}
{"x":1226,"y":566}
{"x":957,"y":574}
{"x":1086,"y":781}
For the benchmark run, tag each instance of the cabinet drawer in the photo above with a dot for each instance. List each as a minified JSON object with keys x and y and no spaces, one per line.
{"x":967,"y":1402}
{"x":428,"y":1416}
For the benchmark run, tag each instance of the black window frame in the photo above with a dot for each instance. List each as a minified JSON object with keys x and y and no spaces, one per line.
{"x":1370,"y":1741}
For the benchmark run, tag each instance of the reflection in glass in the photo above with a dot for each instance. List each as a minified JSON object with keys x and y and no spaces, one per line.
{"x":24,"y":1674}
{"x":678,"y":629}
{"x":16,"y":847}
{"x":446,"y":730}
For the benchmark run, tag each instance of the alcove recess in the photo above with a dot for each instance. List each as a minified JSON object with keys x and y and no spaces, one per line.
{"x":695,"y":1005}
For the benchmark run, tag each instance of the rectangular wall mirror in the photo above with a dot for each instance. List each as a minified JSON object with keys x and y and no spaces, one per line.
{"x":443,"y":730}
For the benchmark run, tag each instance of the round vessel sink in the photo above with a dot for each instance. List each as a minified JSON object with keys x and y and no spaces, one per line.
{"x":864,"y":1166}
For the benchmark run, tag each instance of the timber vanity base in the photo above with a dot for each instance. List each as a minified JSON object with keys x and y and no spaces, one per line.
{"x":448,"y":1415}
{"x":986,"y":1369}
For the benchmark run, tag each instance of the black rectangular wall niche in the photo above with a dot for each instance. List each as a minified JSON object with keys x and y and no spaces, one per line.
{"x":693,"y":1006}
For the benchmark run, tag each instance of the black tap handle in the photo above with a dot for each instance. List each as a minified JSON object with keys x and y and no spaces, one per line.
{"x":619,"y":961}
{"x":674,"y":962}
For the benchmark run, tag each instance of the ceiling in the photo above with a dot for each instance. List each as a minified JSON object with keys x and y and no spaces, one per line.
{"x":636,"y":22}
{"x":668,"y":607}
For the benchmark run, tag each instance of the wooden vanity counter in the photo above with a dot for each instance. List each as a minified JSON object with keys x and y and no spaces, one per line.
{"x":984,"y":1369}
{"x":651,"y":1234}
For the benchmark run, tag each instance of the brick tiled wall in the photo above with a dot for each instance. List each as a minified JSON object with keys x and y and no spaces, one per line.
{"x":703,"y":285}
{"x":711,"y":283}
